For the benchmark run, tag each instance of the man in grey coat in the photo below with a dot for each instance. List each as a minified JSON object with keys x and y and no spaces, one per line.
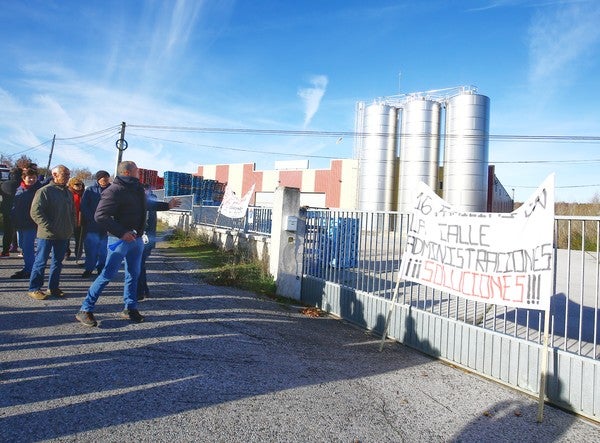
{"x":53,"y":210}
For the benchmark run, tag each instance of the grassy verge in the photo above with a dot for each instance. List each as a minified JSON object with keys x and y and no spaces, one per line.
{"x":221,"y":268}
{"x":577,"y":234}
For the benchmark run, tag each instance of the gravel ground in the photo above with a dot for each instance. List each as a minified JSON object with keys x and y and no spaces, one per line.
{"x":218,"y":364}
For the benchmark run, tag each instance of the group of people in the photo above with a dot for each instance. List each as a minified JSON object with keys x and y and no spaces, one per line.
{"x":109,"y":219}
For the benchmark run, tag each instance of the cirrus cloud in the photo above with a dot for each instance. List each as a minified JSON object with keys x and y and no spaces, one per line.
{"x":312,"y":97}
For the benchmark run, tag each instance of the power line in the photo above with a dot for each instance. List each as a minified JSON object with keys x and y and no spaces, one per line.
{"x":259,"y":151}
{"x":101,"y":131}
{"x":336,"y":134}
{"x":525,"y":162}
{"x":98,"y":133}
{"x":227,"y":148}
{"x":88,"y":143}
{"x":283,"y":132}
{"x":92,"y":139}
{"x":31,"y":148}
{"x":557,"y":187}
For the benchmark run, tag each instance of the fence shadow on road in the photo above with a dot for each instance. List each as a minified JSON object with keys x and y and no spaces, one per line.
{"x":504,"y":421}
{"x":202,"y":346}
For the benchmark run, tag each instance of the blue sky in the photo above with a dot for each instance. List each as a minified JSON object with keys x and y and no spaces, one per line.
{"x":292,"y":72}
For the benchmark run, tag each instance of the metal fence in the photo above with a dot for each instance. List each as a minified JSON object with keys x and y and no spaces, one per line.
{"x":256,"y":221}
{"x":362,"y":251}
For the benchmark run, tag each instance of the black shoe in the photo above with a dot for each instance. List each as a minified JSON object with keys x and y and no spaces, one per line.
{"x":86,"y":274}
{"x":133,"y":315}
{"x":21,"y":275}
{"x":86,"y":318}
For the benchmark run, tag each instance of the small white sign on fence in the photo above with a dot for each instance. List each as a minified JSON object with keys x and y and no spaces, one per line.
{"x":233,"y":206}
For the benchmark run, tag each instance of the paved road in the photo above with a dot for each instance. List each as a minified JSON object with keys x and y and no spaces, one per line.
{"x":222,"y":365}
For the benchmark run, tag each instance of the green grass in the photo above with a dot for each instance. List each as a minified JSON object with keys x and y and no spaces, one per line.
{"x":217,"y":267}
{"x":577,"y":234}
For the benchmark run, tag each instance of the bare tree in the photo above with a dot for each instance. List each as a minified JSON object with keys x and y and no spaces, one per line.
{"x":24,"y":161}
{"x":6,"y":160}
{"x":81,"y":173}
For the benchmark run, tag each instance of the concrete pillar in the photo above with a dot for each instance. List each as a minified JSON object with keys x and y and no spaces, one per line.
{"x":286,"y":242}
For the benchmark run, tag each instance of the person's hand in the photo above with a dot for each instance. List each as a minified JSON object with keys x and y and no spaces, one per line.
{"x":174,"y":203}
{"x":128,"y":237}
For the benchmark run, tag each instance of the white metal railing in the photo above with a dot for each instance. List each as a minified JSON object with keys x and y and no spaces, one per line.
{"x":362,"y":250}
{"x":256,"y":221}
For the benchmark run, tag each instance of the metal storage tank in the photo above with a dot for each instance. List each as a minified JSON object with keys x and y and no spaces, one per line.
{"x":419,"y":149}
{"x":466,"y":151}
{"x":376,"y":158}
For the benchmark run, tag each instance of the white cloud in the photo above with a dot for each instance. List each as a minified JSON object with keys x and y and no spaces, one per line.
{"x":558,"y":40}
{"x":182,"y":23}
{"x":312,"y":97}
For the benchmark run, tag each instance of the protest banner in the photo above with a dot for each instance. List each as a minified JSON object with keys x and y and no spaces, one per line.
{"x":500,"y":258}
{"x":234,"y":207}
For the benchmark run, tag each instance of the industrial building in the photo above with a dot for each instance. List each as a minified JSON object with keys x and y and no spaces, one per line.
{"x":440,"y":137}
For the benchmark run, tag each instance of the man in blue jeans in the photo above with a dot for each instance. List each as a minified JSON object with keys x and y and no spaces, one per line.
{"x":53,"y":210}
{"x":95,"y":240}
{"x":122,"y":212}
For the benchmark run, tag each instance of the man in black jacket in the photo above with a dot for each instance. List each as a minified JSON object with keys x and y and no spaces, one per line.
{"x":7,"y":190}
{"x":122,"y":212}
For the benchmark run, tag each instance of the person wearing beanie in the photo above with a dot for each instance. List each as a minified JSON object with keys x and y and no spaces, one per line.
{"x":95,"y":237}
{"x":102,"y":174}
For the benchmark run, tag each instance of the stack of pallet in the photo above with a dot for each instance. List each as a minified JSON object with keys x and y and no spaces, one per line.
{"x":149,"y":176}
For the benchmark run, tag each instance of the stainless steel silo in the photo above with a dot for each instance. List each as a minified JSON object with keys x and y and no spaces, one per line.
{"x":419,"y":149}
{"x":466,"y":151}
{"x":376,"y":158}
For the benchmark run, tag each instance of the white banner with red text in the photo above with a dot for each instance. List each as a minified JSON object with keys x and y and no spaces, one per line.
{"x":500,"y":258}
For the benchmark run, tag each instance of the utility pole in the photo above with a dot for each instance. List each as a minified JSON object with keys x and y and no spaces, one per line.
{"x":513,"y":198}
{"x":50,"y":156}
{"x":121,"y":145}
{"x":399,"y":81}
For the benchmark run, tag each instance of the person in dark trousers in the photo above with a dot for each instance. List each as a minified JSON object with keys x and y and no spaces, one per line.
{"x":53,"y":211}
{"x":153,"y":205}
{"x":8,"y":190}
{"x":76,"y":187}
{"x":24,"y":224}
{"x":122,"y":212}
{"x":95,"y":237}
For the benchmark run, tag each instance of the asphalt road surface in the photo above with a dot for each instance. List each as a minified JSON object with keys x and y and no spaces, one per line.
{"x":217,"y":364}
